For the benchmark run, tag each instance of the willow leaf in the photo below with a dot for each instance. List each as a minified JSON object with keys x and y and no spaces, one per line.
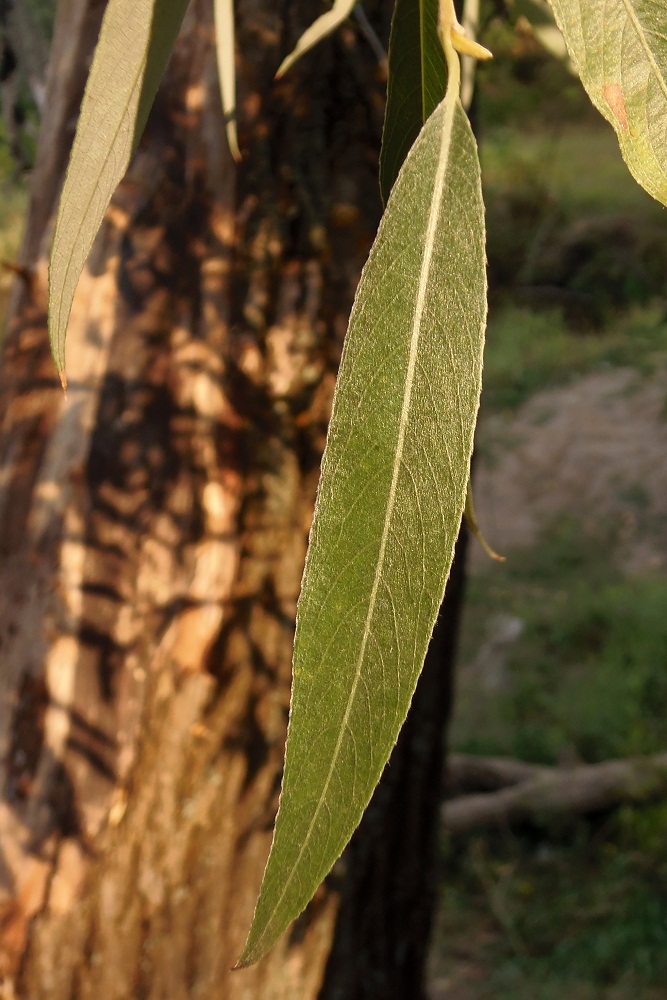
{"x":135,"y":42}
{"x":416,"y":82}
{"x":319,"y":29}
{"x":619,"y":48}
{"x":224,"y":46}
{"x":390,"y":502}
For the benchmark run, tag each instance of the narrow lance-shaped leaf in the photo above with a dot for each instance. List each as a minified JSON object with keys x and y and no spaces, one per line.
{"x":620,"y":50}
{"x":319,"y":29}
{"x":135,"y":42}
{"x":390,"y":501}
{"x":416,"y":82}
{"x":224,"y":45}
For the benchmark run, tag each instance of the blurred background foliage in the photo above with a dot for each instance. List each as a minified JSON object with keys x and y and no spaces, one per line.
{"x":564,"y":647}
{"x":26,"y":27}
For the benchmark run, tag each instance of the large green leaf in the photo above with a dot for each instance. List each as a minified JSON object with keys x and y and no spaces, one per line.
{"x":620,"y":50}
{"x":135,"y":42}
{"x":390,"y":501}
{"x":319,"y":29}
{"x":416,"y":82}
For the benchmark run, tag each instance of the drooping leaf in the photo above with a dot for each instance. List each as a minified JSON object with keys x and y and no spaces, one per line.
{"x":319,"y":29}
{"x":619,"y":48}
{"x":390,"y":502}
{"x":224,"y":46}
{"x":416,"y":82}
{"x":135,"y":42}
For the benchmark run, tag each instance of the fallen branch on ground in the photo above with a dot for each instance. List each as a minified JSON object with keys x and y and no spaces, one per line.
{"x":521,"y":792}
{"x":467,"y":773}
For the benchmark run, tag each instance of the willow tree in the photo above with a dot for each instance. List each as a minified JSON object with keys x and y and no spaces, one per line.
{"x":154,"y":524}
{"x":153,"y":528}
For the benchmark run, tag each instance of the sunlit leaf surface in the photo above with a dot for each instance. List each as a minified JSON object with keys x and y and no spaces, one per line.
{"x":620,"y":50}
{"x":135,"y":42}
{"x":389,"y":506}
{"x":318,"y":30}
{"x":224,"y":45}
{"x":416,"y":85}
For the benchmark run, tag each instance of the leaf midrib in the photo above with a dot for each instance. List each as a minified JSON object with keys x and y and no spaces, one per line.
{"x":641,"y":34}
{"x":450,"y":102}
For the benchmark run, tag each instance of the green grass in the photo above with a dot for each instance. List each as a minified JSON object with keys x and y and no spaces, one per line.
{"x":574,"y":909}
{"x":587,"y":677}
{"x":583,"y":917}
{"x":578,"y":167}
{"x":527,"y":350}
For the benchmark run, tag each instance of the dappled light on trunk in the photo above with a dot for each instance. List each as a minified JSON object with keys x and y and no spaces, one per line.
{"x":153,"y":528}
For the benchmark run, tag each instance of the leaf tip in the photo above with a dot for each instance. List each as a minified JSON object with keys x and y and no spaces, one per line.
{"x":233,"y":142}
{"x":56,"y":341}
{"x":250,"y":954}
{"x":471,"y":521}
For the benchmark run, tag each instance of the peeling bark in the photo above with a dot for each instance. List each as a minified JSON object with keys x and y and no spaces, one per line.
{"x":153,"y":531}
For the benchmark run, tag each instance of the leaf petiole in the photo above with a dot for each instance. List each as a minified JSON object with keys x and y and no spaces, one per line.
{"x":455,"y":41}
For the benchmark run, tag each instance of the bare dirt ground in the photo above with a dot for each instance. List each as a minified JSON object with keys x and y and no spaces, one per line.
{"x":594,"y":450}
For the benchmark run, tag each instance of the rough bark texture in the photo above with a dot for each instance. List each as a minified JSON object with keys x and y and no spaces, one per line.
{"x":152,"y":536}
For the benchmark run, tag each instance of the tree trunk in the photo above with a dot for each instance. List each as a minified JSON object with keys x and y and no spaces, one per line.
{"x":153,"y":529}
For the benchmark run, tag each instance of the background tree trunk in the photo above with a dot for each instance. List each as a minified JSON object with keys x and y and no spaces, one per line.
{"x":153,"y":530}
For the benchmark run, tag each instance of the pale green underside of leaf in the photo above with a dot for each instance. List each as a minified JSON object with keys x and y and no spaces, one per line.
{"x":620,"y":50}
{"x":416,"y":82}
{"x":135,"y":42}
{"x":318,"y":30}
{"x":389,"y":507}
{"x":224,"y":44}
